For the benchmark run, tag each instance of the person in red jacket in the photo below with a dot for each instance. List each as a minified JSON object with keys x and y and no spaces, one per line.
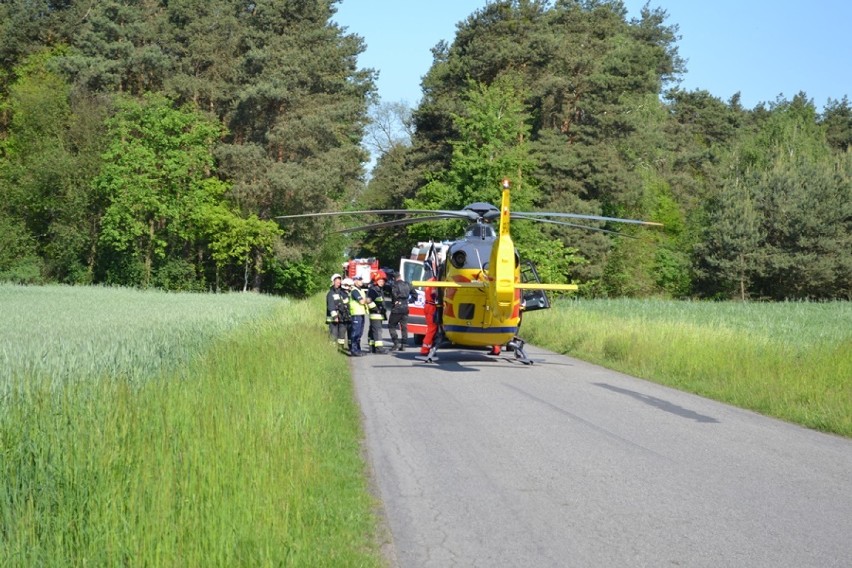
{"x":430,"y":310}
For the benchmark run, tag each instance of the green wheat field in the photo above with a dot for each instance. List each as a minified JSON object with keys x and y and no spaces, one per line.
{"x":153,"y":429}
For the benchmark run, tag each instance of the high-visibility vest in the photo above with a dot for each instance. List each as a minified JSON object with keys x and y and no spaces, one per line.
{"x":356,"y":308}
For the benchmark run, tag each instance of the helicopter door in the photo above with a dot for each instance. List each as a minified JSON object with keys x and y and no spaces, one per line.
{"x":533,"y":299}
{"x":412,"y":270}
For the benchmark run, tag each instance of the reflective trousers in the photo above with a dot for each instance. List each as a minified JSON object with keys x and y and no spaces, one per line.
{"x":338,"y":332}
{"x":429,"y":310}
{"x":374,"y":334}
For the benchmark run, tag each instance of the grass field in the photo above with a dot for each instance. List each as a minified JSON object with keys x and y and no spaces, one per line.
{"x":788,"y":360}
{"x":153,"y":429}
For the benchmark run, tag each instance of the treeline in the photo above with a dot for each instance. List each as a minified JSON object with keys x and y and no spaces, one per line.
{"x":578,"y":104}
{"x":152,"y":143}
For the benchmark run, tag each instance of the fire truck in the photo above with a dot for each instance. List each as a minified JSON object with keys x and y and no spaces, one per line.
{"x":363,"y":267}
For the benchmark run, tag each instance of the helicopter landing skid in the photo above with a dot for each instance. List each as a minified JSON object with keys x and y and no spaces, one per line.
{"x":517,"y":346}
{"x":428,"y":358}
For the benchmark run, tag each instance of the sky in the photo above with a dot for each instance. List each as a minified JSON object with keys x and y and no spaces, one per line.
{"x":760,"y":48}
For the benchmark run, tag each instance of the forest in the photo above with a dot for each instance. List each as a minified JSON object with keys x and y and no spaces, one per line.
{"x":153,"y":143}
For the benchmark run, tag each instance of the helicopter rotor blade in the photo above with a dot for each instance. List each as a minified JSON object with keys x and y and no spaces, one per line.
{"x":530,"y":214}
{"x":457,"y":214}
{"x":574,"y":225}
{"x":398,"y":223}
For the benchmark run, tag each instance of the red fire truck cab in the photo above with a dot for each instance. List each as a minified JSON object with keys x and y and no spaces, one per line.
{"x":363,"y":267}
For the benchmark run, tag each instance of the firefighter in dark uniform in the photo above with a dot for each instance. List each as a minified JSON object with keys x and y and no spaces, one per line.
{"x":376,"y":312}
{"x":401,"y":294}
{"x":337,"y":312}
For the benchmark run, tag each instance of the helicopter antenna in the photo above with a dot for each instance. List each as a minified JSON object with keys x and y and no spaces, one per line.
{"x":479,"y":260}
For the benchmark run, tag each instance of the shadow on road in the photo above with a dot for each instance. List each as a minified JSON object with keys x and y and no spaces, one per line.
{"x":661,"y":404}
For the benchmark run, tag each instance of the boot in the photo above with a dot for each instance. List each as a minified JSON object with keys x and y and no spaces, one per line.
{"x":395,"y":346}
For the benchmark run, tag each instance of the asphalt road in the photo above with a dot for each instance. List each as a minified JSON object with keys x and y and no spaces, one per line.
{"x":485,"y":462}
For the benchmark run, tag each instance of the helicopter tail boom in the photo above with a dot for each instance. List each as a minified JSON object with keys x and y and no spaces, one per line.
{"x":540,"y":286}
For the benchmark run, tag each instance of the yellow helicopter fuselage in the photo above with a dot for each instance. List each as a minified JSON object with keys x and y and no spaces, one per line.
{"x":468,"y":316}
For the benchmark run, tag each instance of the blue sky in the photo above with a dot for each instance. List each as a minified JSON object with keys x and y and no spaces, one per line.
{"x":761,"y":48}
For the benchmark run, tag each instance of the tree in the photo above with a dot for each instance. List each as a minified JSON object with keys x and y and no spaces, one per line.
{"x":233,"y":239}
{"x":592,"y":82}
{"x":50,"y":156}
{"x":206,"y":40}
{"x":280,"y":75}
{"x":781,"y":226}
{"x":731,"y":254}
{"x":298,"y":114}
{"x":807,"y":214}
{"x":837,"y":120}
{"x":493,"y":144}
{"x":162,"y":200}
{"x":19,"y":259}
{"x":390,"y":126}
{"x":390,"y":185}
{"x":119,"y":47}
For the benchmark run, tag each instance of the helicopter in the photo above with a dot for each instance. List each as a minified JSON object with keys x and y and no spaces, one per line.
{"x":481,"y":290}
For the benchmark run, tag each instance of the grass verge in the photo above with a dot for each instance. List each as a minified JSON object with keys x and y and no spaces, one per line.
{"x":791,"y":360}
{"x":245,"y":455}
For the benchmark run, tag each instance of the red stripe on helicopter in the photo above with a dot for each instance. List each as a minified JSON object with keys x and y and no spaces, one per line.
{"x":450,"y":293}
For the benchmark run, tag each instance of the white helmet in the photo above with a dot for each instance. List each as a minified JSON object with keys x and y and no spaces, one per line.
{"x":348,"y":282}
{"x":334,"y":277}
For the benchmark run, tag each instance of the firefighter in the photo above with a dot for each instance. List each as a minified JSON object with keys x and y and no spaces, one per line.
{"x":400,"y":296}
{"x":376,"y":309}
{"x":337,"y":311}
{"x":430,"y":310}
{"x":357,"y":311}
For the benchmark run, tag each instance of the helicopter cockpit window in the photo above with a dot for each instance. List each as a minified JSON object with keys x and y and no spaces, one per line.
{"x":412,"y":270}
{"x":480,"y":231}
{"x":469,"y":254}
